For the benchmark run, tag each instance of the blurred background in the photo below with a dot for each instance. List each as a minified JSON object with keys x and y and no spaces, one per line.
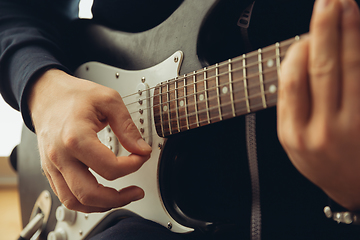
{"x":10,"y":134}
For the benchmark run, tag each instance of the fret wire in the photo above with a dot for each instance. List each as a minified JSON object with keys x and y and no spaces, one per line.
{"x":278,"y":55}
{"x":218,"y":90}
{"x":235,"y":60}
{"x":231,"y":89}
{"x":179,"y":78}
{"x":271,"y":102}
{"x":186,"y":108}
{"x":206,"y":95}
{"x":239,"y":90}
{"x":168,"y":104}
{"x":244,"y":110}
{"x":161,"y":113}
{"x":245,"y":84}
{"x":222,"y":74}
{"x":195,"y":99}
{"x":234,"y":81}
{"x":277,"y":58}
{"x":177,"y":106}
{"x":236,"y":101}
{"x":261,"y":79}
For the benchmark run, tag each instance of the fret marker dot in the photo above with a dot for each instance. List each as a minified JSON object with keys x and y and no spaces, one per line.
{"x":182,"y":103}
{"x":201,"y":97}
{"x":270,"y":63}
{"x":165,"y":108}
{"x":224,"y":90}
{"x":272,"y":88}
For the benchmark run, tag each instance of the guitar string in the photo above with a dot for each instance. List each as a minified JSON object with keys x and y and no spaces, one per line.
{"x":226,"y":63}
{"x":241,"y":89}
{"x":190,"y":76}
{"x":190,"y":85}
{"x":242,"y":110}
{"x":284,"y":44}
{"x":224,"y":105}
{"x":194,"y":124}
{"x":232,"y":61}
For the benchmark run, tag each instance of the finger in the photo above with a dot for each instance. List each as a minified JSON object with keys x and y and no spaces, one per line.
{"x":294,"y":93}
{"x":49,"y":178}
{"x":350,"y":56}
{"x":324,"y":57}
{"x":124,"y":128}
{"x":89,"y":194}
{"x":87,"y":148}
{"x":64,"y":194}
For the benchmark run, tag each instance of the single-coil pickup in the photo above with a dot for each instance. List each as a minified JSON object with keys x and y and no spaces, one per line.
{"x":142,"y":117}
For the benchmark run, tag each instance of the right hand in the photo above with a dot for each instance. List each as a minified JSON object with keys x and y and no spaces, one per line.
{"x":67,"y":113}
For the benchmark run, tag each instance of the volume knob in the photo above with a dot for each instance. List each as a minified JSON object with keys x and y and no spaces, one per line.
{"x":65,"y":215}
{"x":58,"y":234}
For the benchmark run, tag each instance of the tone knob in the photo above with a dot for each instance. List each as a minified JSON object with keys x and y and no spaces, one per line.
{"x":65,"y":215}
{"x":58,"y":234}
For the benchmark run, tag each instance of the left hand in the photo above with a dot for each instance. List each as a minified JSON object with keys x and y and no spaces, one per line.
{"x":319,"y":102}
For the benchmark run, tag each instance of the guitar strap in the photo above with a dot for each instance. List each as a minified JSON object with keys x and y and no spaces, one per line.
{"x":250,"y":127}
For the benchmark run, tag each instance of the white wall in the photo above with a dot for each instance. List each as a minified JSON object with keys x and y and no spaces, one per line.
{"x":10,"y":134}
{"x":10,"y":128}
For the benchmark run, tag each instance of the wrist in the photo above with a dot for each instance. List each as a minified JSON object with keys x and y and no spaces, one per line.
{"x":41,"y":92}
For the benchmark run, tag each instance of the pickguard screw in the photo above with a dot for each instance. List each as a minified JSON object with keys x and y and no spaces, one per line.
{"x":117,"y":75}
{"x":143,"y":79}
{"x":176,"y":59}
{"x":160,"y":146}
{"x":169,"y":225}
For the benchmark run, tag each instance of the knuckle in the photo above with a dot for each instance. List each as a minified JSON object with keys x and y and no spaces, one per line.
{"x":290,"y":85}
{"x":53,"y":155}
{"x":70,"y":141}
{"x":85,"y":198}
{"x":319,"y":22}
{"x":322,"y":67}
{"x":322,"y":139}
{"x":110,"y":175}
{"x":70,"y":203}
{"x":111,"y":97}
{"x":292,"y":140}
{"x":129,"y":127}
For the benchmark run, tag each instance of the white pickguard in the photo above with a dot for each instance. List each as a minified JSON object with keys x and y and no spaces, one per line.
{"x":128,"y":83}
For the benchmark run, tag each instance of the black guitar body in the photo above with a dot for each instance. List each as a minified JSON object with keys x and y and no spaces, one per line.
{"x":204,"y":174}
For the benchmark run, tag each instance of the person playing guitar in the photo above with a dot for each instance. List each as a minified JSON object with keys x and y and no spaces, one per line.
{"x":317,"y":115}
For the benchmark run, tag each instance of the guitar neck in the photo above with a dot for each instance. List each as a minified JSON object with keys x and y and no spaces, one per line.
{"x":236,"y":87}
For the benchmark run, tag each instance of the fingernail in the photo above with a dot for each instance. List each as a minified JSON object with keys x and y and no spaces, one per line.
{"x":139,"y":195}
{"x":321,"y":4}
{"x":143,"y":145}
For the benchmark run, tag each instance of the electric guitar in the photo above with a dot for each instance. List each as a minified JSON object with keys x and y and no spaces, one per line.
{"x":166,"y":98}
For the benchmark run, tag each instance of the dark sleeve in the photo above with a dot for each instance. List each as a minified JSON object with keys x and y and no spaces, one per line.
{"x":28,"y":46}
